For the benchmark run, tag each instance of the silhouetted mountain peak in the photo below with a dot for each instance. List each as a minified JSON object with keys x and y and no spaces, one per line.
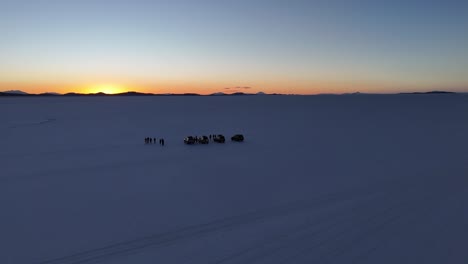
{"x":15,"y":92}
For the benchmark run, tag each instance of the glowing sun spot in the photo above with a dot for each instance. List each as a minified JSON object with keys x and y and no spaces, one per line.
{"x":106,"y":88}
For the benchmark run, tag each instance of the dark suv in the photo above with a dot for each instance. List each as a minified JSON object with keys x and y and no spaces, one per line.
{"x":238,"y":138}
{"x":219,"y":138}
{"x":203,"y":140}
{"x":189,"y":140}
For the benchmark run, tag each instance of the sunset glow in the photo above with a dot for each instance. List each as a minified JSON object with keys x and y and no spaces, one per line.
{"x":185,"y":46}
{"x":106,"y":88}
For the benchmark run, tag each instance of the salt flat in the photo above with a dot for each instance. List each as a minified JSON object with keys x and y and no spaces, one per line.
{"x":319,"y":179}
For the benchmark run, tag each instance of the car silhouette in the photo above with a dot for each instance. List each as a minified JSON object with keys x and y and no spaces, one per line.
{"x":219,"y":138}
{"x":203,"y":140}
{"x":189,"y":140}
{"x":238,"y":138}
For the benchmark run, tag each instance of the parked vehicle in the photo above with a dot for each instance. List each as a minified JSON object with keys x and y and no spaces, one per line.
{"x":203,"y":140}
{"x":219,"y":138}
{"x":238,"y":138}
{"x":189,"y":140}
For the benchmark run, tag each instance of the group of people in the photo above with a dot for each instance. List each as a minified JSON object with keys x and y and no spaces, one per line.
{"x":150,"y":140}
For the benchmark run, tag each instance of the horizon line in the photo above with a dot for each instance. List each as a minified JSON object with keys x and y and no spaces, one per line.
{"x":136,"y":93}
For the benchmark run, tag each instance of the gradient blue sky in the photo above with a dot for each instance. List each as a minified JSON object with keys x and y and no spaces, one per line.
{"x":206,"y":46}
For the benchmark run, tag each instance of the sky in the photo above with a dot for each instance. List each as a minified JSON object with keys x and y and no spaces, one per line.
{"x":177,"y":46}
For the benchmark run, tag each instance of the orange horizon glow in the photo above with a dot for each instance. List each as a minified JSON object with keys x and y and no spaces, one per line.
{"x":285,"y":87}
{"x":105,"y":88}
{"x":177,"y":88}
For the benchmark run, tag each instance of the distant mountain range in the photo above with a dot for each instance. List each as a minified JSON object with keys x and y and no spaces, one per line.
{"x":15,"y":92}
{"x":431,"y":92}
{"x":132,"y":93}
{"x":21,"y":93}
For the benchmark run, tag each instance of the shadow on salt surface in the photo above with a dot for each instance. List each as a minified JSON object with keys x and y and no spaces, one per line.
{"x":351,"y":144}
{"x":80,"y":160}
{"x":26,"y":123}
{"x":342,"y":231}
{"x":263,"y":217}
